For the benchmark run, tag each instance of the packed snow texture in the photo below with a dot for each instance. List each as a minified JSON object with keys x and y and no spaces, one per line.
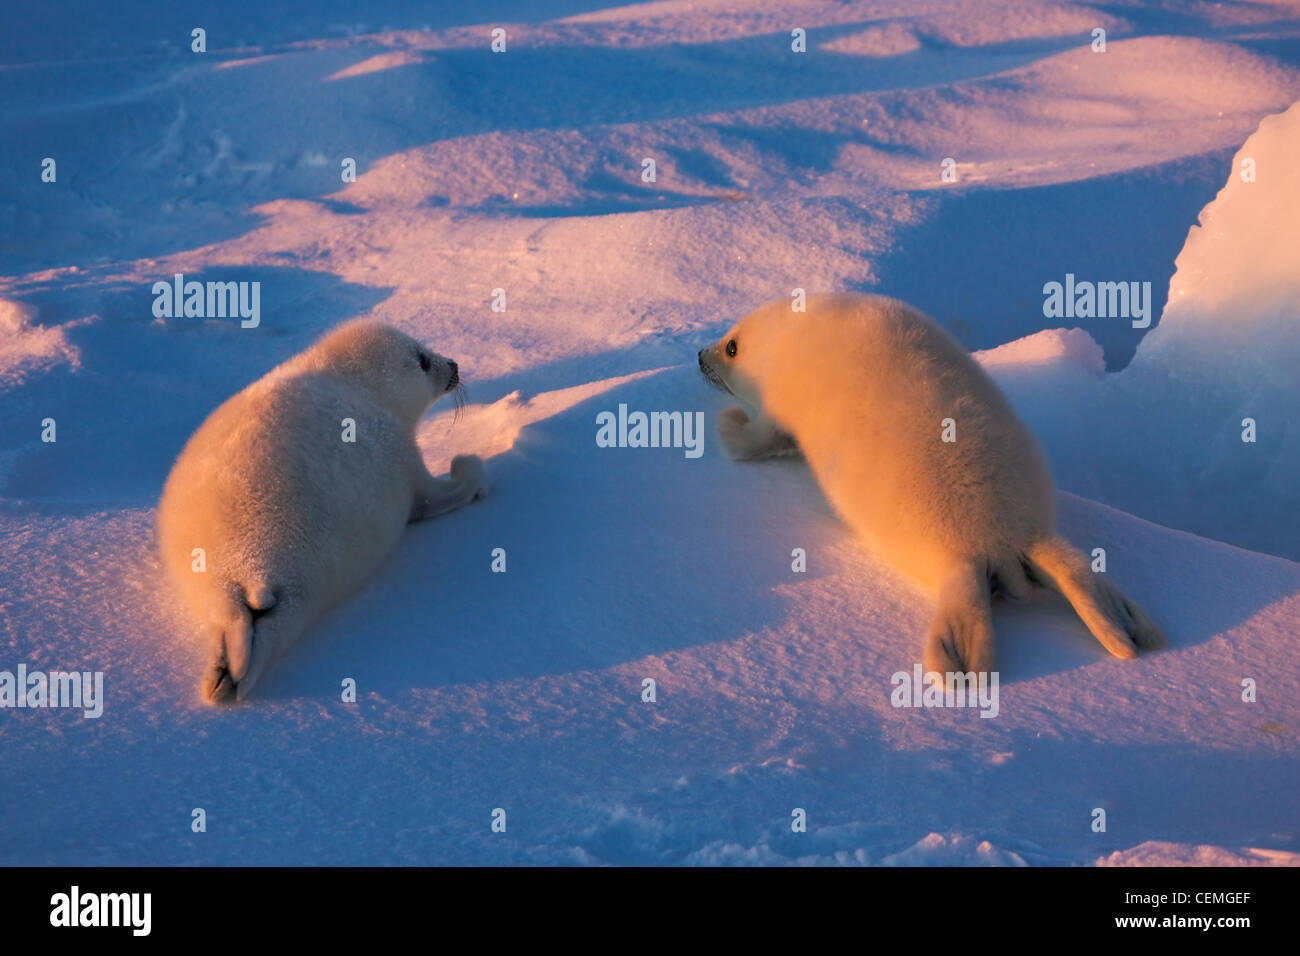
{"x":522,"y":171}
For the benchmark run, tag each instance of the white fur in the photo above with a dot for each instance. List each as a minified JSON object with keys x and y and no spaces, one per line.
{"x":862,"y":384}
{"x":292,"y":518}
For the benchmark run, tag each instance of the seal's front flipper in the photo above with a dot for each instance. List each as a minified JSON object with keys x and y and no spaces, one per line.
{"x":746,"y":439}
{"x":437,"y":496}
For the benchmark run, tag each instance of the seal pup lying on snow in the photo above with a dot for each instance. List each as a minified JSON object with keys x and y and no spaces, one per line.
{"x":865,"y":386}
{"x":297,"y":488}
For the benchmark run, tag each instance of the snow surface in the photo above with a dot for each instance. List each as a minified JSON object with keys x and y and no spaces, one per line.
{"x":522,"y":171}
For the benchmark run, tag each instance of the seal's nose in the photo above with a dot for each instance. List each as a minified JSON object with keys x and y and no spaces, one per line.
{"x":700,"y":356}
{"x":455,"y":375}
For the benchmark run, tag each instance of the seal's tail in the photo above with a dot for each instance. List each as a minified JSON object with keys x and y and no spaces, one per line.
{"x":1122,"y":627}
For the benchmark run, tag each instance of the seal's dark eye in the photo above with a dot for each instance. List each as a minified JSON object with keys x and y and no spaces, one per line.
{"x":731,"y":349}
{"x":424,"y":361}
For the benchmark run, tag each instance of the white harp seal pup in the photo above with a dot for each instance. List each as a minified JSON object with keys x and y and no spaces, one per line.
{"x":862,"y":386}
{"x":291,"y":493}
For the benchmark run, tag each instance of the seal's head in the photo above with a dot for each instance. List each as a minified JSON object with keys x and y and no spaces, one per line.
{"x":757,"y":352}
{"x":406,"y":376}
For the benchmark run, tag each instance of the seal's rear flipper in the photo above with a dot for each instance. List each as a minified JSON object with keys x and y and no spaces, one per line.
{"x":228,"y":653}
{"x":233,"y":630}
{"x":274,"y":632}
{"x":216,"y":686}
{"x":961,"y":635}
{"x":1122,"y":627}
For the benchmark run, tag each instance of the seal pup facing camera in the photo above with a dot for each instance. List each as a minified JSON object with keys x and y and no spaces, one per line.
{"x":861,"y":386}
{"x":291,"y":512}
